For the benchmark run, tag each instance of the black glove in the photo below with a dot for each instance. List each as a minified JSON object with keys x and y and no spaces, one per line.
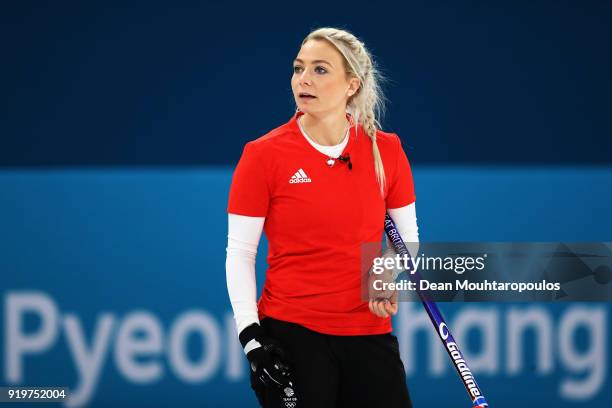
{"x":268,"y":361}
{"x":270,"y":375}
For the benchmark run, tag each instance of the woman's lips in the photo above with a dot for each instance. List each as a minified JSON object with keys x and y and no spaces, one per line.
{"x":307,"y":97}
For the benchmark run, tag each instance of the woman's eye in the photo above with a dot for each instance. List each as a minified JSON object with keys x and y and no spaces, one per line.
{"x":319,"y":69}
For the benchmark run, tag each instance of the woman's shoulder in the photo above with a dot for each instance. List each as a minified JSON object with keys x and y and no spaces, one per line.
{"x":388,"y":137}
{"x":271,"y":139}
{"x":387,"y":141}
{"x":390,"y":145}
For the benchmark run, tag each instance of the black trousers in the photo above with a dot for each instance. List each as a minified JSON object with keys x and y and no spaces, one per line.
{"x":338,"y":371}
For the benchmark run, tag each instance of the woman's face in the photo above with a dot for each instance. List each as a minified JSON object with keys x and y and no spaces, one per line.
{"x":318,"y":70}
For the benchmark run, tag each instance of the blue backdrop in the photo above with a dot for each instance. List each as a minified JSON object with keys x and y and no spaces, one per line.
{"x":154,"y":83}
{"x":113,"y":284}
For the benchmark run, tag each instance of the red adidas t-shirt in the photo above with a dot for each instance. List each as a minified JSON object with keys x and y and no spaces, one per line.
{"x":317,"y":218}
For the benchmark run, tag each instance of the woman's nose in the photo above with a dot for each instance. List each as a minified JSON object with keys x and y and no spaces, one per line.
{"x":304,"y":77}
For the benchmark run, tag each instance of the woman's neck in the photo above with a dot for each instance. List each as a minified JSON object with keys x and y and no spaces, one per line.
{"x":326,"y":130}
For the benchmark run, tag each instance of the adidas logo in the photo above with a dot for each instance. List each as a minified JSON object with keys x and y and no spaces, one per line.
{"x":299,"y":177}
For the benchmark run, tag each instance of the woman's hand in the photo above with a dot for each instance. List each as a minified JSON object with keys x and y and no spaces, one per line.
{"x":383,"y":301}
{"x":266,"y":357}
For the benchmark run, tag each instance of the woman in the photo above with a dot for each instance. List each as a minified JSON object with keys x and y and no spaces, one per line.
{"x":320,"y":185}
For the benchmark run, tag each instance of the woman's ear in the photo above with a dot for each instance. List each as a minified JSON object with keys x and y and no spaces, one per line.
{"x":353,"y":86}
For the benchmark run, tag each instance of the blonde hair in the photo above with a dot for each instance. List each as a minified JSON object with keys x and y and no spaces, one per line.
{"x":366,"y":106}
